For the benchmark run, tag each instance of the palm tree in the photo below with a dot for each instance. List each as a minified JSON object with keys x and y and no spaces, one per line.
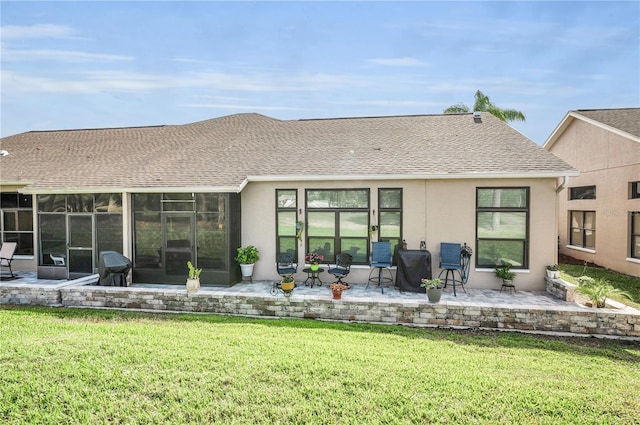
{"x":485,"y":105}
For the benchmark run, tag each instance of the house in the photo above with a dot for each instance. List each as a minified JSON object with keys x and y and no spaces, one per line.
{"x":599,"y":214}
{"x":167,"y":194}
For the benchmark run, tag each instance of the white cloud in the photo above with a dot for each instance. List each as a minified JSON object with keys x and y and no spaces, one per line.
{"x":59,"y":55}
{"x":387,"y":103}
{"x":238,"y":106}
{"x":397,"y":62}
{"x":36,"y":31}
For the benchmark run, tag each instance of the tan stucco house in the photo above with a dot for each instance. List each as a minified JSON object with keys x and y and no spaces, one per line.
{"x":599,"y":213}
{"x":167,"y":194}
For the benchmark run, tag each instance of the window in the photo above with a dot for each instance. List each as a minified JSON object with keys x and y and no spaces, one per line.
{"x":634,"y":190}
{"x":502,"y":226}
{"x":287,"y":222}
{"x":582,"y":229}
{"x":635,"y":234}
{"x":16,"y":221}
{"x":338,"y":221}
{"x":583,"y":192}
{"x":390,"y":216}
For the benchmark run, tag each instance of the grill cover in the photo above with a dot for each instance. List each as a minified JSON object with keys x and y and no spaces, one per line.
{"x":113,"y":269}
{"x":413,"y":265}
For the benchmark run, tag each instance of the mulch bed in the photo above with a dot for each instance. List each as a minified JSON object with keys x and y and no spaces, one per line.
{"x":565,"y":259}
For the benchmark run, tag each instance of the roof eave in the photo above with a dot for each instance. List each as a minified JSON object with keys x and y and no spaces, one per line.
{"x":434,"y":176}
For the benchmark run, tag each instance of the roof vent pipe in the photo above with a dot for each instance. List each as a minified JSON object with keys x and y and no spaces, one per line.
{"x":477,"y":116}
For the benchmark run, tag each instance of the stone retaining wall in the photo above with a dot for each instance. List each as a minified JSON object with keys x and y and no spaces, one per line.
{"x":30,"y":295}
{"x":561,"y":289}
{"x":591,"y":321}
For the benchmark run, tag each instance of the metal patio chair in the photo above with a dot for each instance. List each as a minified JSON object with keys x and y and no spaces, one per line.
{"x":455,"y":258}
{"x":342,"y":267}
{"x":381,"y":259}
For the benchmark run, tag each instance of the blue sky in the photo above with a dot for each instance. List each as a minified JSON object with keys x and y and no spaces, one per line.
{"x":113,"y":64}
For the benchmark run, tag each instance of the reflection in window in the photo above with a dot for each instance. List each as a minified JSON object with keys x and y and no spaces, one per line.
{"x":502,"y":226}
{"x":287,"y":226}
{"x":582,"y":231}
{"x":338,"y":221}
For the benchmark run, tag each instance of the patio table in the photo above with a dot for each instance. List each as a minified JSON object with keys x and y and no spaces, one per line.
{"x":313,"y":276}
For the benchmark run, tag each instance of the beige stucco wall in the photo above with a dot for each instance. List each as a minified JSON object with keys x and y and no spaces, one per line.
{"x":434,"y":211}
{"x":610,"y":162}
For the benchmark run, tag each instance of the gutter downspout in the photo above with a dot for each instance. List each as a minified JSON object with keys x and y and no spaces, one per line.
{"x":565,"y":182}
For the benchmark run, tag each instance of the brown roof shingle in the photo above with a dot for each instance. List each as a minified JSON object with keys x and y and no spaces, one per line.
{"x":626,"y":119}
{"x":219,"y":154}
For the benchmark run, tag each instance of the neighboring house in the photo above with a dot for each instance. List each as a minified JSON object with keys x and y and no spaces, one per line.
{"x":599,"y":213}
{"x":164,"y":195}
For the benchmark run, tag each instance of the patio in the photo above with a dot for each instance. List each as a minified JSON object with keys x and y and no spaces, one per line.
{"x":477,"y":308}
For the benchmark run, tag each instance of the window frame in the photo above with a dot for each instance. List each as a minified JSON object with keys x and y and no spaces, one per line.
{"x":633,"y":235}
{"x":20,"y":207}
{"x":634,"y":190}
{"x":583,"y":229}
{"x":585,"y":189}
{"x":381,"y":209}
{"x":337,"y":238}
{"x":293,"y":209}
{"x":526,"y":210}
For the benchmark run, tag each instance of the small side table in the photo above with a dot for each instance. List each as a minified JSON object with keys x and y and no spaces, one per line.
{"x":313,"y":276}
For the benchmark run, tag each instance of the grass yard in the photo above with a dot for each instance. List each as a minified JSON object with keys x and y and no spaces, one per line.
{"x":73,"y":366}
{"x":624,"y":282}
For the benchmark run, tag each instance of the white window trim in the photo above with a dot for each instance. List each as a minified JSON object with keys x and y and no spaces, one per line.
{"x":579,"y":248}
{"x":633,"y":260}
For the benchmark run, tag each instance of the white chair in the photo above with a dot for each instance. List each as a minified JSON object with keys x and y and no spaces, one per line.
{"x":6,"y":255}
{"x":58,"y":260}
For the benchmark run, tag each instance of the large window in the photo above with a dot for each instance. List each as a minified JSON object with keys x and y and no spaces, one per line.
{"x":582,"y":192}
{"x":635,"y":234}
{"x":338,"y":221}
{"x":582,"y":229}
{"x":502,"y":226}
{"x":287,"y":222}
{"x":390,"y":216}
{"x":16,"y":221}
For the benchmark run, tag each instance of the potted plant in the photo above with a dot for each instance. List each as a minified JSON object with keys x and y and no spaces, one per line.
{"x":247,"y":257}
{"x":553,"y":272}
{"x":287,"y":283}
{"x":337,"y":288}
{"x":313,"y":258}
{"x":193,"y":281}
{"x":434,"y":289}
{"x":504,"y":272}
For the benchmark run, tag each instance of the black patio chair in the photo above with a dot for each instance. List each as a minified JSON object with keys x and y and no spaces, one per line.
{"x":342,"y":267}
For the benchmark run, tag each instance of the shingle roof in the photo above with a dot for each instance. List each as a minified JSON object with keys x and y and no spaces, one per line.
{"x":221,"y":153}
{"x":627,"y":120}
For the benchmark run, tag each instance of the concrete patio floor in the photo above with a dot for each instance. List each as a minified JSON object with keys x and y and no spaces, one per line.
{"x":476,"y":308}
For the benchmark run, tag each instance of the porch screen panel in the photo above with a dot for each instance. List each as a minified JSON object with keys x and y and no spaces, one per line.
{"x":109,"y":232}
{"x":53,"y":237}
{"x":147,"y":224}
{"x":16,"y":221}
{"x":502,"y":226}
{"x":211,"y":240}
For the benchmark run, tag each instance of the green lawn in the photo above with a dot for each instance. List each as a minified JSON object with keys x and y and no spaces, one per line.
{"x":624,"y":282}
{"x":95,"y":366}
